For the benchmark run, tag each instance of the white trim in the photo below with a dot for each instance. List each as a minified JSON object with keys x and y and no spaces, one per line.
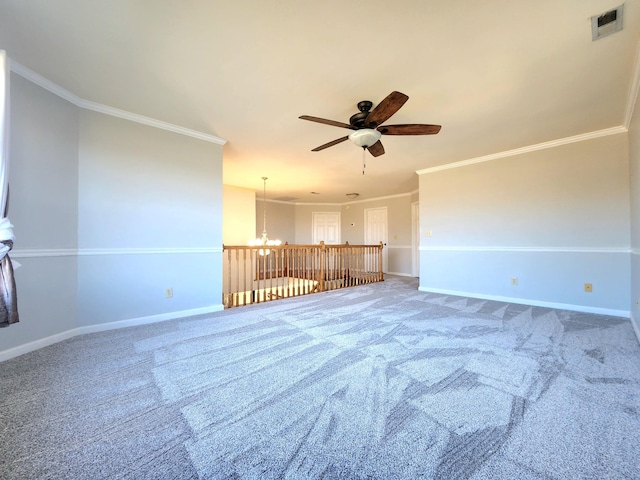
{"x":424,"y":248}
{"x":531,"y":148}
{"x":132,"y":322}
{"x":56,"y":89}
{"x":44,"y":252}
{"x":387,"y":197}
{"x":134,"y":117}
{"x":43,"y":82}
{"x":351,"y":202}
{"x":400,"y":274}
{"x":71,"y":252}
{"x":535,"y":303}
{"x":633,"y":90}
{"x":147,"y":251}
{"x":398,"y":246}
{"x":385,"y":231}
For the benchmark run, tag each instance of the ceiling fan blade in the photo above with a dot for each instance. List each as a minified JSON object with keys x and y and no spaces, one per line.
{"x":330,"y":144}
{"x":327,"y":122}
{"x":376,"y":149}
{"x":387,"y":107}
{"x":409,"y":129}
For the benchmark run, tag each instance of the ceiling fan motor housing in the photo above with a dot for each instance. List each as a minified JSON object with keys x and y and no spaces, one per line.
{"x":358,"y":119}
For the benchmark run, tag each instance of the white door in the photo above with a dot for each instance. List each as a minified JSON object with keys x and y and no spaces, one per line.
{"x":326,"y":227}
{"x":415,"y":239}
{"x":375,"y":230}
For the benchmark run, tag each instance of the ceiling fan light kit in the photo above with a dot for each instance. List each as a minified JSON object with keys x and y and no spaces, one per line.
{"x":365,"y":137}
{"x":368,"y":128}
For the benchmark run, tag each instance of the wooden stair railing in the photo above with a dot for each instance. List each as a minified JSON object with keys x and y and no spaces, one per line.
{"x":258,"y":274}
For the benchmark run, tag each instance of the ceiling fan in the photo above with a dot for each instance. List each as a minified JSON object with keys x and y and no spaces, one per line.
{"x":368,"y":126}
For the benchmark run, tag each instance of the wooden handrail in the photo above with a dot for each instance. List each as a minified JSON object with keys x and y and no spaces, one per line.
{"x":259,"y":274}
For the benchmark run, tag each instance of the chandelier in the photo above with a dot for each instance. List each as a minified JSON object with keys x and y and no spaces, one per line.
{"x":264,"y":240}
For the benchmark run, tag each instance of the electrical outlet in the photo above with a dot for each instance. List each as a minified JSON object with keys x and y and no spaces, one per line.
{"x":168,"y":292}
{"x":427,"y":233}
{"x":588,"y":287}
{"x":514,"y":280}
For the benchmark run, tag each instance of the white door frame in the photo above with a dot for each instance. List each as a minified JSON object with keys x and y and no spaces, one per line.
{"x":369,"y":241}
{"x":415,"y":239}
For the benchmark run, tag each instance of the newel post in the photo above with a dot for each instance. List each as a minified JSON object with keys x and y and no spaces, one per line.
{"x":322,"y":262}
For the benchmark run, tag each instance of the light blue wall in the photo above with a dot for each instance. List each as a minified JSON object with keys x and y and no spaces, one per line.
{"x":143,"y":191}
{"x":554,"y":218}
{"x":551,"y":278}
{"x":634,"y":158}
{"x":107,"y":215}
{"x":43,"y":207}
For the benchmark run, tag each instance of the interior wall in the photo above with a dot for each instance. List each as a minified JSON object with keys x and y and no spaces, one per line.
{"x":238,"y":215}
{"x":150,"y":219}
{"x":304,"y":221}
{"x":108,"y":214}
{"x":634,"y":159}
{"x":281,"y":219}
{"x":43,"y":180}
{"x":555,"y":219}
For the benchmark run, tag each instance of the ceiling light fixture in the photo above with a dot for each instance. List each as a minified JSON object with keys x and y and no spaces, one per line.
{"x":264,"y":240}
{"x":365,"y":137}
{"x":353,"y":196}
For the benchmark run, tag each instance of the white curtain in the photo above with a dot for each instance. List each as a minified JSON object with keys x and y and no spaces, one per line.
{"x":8,"y":299}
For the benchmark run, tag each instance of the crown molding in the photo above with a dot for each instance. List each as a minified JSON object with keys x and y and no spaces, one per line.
{"x":43,"y":82}
{"x":531,"y":148}
{"x":351,"y":202}
{"x":633,"y":90}
{"x":56,"y":89}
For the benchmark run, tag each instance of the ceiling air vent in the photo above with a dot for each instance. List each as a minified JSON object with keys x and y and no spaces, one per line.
{"x":607,"y":23}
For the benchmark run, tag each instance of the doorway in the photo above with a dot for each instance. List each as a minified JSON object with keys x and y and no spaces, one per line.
{"x":326,"y":227}
{"x":376,"y":231}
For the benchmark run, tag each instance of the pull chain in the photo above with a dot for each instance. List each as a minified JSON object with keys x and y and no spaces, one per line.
{"x":363,"y":164}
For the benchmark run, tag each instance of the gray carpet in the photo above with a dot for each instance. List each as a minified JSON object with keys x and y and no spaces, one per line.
{"x":379,"y":381}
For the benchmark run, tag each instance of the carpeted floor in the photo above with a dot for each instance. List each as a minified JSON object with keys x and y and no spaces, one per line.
{"x":378,"y":381}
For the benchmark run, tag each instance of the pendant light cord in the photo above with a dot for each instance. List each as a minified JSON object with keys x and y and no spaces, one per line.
{"x":264,"y":209}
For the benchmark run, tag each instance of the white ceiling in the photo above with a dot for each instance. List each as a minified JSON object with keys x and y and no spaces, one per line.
{"x":497,"y":75}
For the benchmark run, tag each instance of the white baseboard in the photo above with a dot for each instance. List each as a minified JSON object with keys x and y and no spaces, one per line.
{"x":399,"y":274}
{"x":535,"y":303}
{"x":636,"y":329}
{"x":74,"y":332}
